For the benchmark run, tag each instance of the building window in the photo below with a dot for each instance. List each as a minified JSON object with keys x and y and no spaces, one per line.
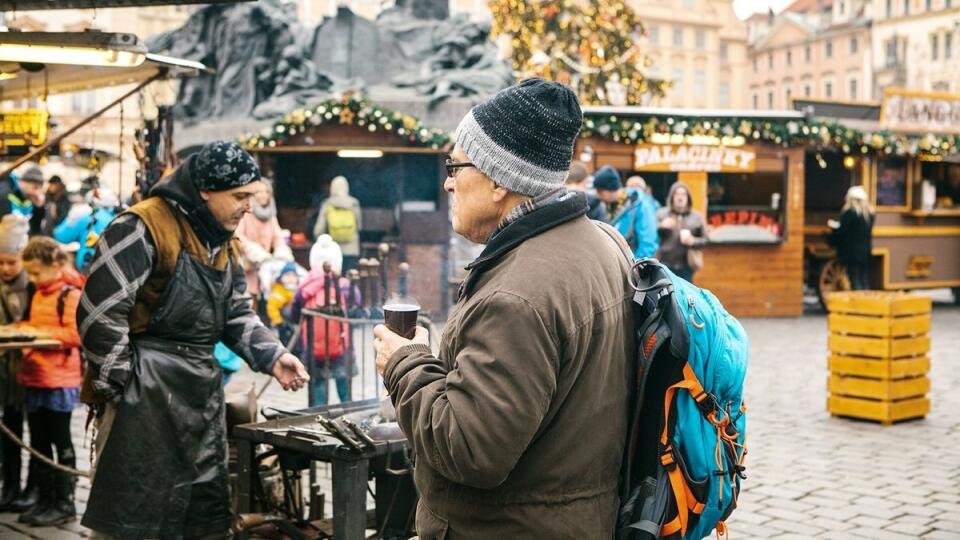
{"x":843,"y":7}
{"x":906,"y":7}
{"x":769,"y":100}
{"x":948,"y":45}
{"x":934,"y":46}
{"x":828,"y":49}
{"x":756,"y":101}
{"x":678,"y":81}
{"x":770,"y":60}
{"x":929,"y":5}
{"x":889,"y":8}
{"x":653,"y":34}
{"x":788,"y":95}
{"x":891,"y":49}
{"x":700,"y":39}
{"x":84,"y":102}
{"x":828,"y":89}
{"x":789,"y":58}
{"x":853,"y":45}
{"x":678,"y":37}
{"x":724,"y":94}
{"x":724,"y":53}
{"x":700,"y":83}
{"x":853,"y":89}
{"x":754,"y":64}
{"x":806,"y":54}
{"x":807,"y":90}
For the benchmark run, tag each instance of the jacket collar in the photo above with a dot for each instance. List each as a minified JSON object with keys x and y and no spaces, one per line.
{"x":567,"y":207}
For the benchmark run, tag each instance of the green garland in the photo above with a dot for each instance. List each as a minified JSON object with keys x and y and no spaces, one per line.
{"x":810,"y":133}
{"x":348,"y":110}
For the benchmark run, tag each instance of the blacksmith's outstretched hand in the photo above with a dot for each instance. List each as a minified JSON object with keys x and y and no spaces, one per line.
{"x":290,"y":372}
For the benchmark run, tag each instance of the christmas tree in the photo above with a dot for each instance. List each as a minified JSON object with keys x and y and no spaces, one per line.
{"x":591,"y":45}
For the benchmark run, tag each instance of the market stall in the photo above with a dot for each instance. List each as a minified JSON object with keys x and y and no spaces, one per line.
{"x":749,"y":190}
{"x":394,"y":166}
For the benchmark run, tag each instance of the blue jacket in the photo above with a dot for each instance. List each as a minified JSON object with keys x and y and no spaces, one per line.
{"x":85,"y":230}
{"x":637,"y":222}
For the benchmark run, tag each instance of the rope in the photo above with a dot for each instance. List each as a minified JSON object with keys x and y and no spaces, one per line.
{"x":44,"y":459}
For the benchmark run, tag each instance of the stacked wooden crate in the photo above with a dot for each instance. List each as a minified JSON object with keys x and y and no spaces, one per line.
{"x":879,"y":360}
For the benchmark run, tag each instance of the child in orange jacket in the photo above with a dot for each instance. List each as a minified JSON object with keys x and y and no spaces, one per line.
{"x":51,"y":377}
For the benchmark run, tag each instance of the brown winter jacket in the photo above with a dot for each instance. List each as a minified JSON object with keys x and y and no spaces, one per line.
{"x":519,"y":424}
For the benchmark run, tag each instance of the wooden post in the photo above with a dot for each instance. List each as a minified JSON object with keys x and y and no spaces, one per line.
{"x":350,"y":498}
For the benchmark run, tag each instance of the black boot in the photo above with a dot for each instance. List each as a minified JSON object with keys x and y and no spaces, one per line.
{"x":44,"y":476}
{"x":60,"y":508}
{"x":30,"y":495}
{"x":11,"y":482}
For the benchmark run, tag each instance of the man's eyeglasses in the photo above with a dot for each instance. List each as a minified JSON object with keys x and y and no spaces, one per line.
{"x":453,"y":166}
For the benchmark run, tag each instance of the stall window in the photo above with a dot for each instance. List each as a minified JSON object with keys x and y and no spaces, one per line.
{"x":747,"y":207}
{"x":940,"y":186}
{"x":892,"y":182}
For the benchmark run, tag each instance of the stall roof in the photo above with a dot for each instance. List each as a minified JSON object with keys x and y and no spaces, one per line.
{"x":61,"y":78}
{"x":864,"y":116}
{"x":604,"y":110}
{"x":24,"y":5}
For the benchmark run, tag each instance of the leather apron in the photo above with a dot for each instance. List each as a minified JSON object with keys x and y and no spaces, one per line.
{"x":163,"y":470}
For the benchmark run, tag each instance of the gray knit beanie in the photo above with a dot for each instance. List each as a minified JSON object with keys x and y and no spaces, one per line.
{"x":523,"y":137}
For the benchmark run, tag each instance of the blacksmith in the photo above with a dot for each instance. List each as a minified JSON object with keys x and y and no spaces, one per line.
{"x":519,"y":422}
{"x":165,"y":286}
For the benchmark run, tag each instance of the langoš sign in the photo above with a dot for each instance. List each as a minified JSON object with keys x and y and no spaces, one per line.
{"x":928,"y":112}
{"x":674,"y":158}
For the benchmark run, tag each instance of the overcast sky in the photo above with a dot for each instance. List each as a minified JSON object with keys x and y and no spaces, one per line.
{"x":745,"y":7}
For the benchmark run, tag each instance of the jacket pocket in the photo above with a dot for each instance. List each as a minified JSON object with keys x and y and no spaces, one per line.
{"x":429,"y":525}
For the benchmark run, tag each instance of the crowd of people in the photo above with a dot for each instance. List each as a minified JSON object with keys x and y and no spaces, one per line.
{"x":674,"y":233}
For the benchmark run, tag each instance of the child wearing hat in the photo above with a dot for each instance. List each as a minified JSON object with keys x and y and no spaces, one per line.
{"x":281,"y":298}
{"x":51,"y":377}
{"x":14,"y":297}
{"x":325,"y":290}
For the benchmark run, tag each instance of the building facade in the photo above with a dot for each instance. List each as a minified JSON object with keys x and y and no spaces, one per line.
{"x":811,"y":50}
{"x":915,"y":45}
{"x":699,"y":45}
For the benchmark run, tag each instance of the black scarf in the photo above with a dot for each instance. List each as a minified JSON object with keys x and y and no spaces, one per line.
{"x":179,"y":190}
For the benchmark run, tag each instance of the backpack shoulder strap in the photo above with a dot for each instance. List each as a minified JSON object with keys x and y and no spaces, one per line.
{"x":62,"y":301}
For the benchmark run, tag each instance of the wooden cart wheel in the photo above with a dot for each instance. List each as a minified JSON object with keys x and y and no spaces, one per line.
{"x":833,"y":277}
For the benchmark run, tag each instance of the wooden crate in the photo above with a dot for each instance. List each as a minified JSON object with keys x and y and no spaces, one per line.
{"x":885,"y":412}
{"x":878,"y":368}
{"x":885,"y":327}
{"x":878,"y":303}
{"x":874,"y":347}
{"x":882,"y":389}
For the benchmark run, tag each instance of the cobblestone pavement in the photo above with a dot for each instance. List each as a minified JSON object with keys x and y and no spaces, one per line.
{"x":809,"y":475}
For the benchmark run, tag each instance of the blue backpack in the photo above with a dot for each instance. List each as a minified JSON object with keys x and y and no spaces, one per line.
{"x":686,"y":442}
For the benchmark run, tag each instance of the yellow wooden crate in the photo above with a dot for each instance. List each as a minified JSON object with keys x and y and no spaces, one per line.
{"x":878,"y":347}
{"x":890,"y":304}
{"x":912,"y":325}
{"x":878,"y":368}
{"x":884,"y":389}
{"x":885,"y":412}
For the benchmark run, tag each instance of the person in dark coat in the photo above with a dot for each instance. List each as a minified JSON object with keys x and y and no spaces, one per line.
{"x":853,"y":237}
{"x":681,"y":229}
{"x":536,"y":354}
{"x":165,"y":286}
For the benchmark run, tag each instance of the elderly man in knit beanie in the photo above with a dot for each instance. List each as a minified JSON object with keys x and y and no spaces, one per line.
{"x":535,"y":355}
{"x":165,"y":286}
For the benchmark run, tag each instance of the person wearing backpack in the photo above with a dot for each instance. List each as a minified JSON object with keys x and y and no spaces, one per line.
{"x":324,"y":289}
{"x":519,"y":421}
{"x":629,"y":210}
{"x":14,"y":297}
{"x":51,"y":378}
{"x":341,"y":218}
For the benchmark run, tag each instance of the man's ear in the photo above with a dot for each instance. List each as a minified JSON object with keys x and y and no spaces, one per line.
{"x":205,"y":195}
{"x":499,"y":193}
